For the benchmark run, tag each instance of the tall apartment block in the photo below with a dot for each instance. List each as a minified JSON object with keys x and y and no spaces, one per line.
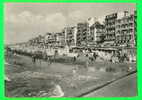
{"x":110,"y":28}
{"x":82,"y":34}
{"x":70,"y":35}
{"x":126,"y":30}
{"x":97,"y":31}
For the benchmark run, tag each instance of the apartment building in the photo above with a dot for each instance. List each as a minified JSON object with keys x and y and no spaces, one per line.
{"x":82,"y":34}
{"x":126,"y":30}
{"x":70,"y":35}
{"x":110,"y":28}
{"x":60,"y":39}
{"x":97,"y":31}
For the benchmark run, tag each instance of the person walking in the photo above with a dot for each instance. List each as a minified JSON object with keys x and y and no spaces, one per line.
{"x":87,"y":61}
{"x":74,"y":59}
{"x":34,"y":59}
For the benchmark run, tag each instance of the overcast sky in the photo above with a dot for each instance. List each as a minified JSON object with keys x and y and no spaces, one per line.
{"x":26,"y":20}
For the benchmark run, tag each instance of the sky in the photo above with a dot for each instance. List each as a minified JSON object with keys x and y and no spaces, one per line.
{"x":24,"y":21}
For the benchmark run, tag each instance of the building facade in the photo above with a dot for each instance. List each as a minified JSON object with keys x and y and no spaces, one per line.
{"x":117,"y":29}
{"x":82,"y":34}
{"x":126,"y":30}
{"x":60,"y":39}
{"x":97,"y":32}
{"x":110,"y":28}
{"x":70,"y":35}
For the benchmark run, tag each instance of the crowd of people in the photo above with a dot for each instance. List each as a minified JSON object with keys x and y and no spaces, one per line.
{"x":90,"y":55}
